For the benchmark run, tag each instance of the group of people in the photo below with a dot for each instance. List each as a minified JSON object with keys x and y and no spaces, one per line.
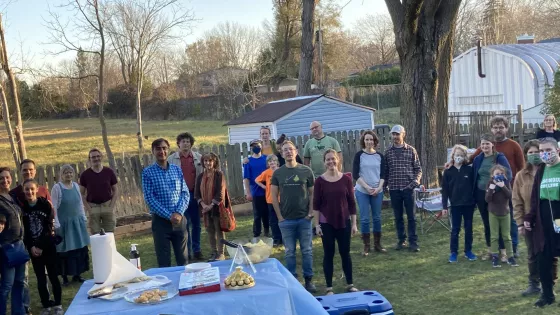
{"x":517,"y":192}
{"x":50,"y":230}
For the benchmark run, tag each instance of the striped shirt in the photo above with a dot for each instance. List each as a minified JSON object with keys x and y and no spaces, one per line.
{"x":165,"y":190}
{"x":402,"y":168}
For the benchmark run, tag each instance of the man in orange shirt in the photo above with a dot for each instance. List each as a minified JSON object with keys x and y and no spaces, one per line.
{"x":264,"y":180}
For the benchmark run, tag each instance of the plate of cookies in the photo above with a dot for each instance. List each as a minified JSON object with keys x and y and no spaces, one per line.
{"x":152,"y":296}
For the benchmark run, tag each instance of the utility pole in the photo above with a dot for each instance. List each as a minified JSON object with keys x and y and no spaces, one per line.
{"x":319,"y":40}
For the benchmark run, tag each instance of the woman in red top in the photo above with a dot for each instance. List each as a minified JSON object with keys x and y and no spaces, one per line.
{"x":334,"y":210}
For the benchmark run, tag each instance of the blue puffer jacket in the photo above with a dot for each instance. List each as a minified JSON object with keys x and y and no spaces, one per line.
{"x":500,"y":159}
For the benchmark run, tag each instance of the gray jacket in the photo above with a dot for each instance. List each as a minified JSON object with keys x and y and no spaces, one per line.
{"x":175,"y":158}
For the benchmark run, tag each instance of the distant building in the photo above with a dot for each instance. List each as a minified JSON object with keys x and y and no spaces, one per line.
{"x":293,"y":116}
{"x":510,"y":75}
{"x":289,"y":84}
{"x":209,"y":82}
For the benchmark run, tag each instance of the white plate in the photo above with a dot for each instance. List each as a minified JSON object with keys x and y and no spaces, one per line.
{"x":171,"y":293}
{"x":197,"y":267}
{"x":154,"y":282}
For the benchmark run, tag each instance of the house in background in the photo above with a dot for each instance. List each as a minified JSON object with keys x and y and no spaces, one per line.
{"x":210,"y":81}
{"x":294,"y":115}
{"x":288,"y":84}
{"x":500,"y":77}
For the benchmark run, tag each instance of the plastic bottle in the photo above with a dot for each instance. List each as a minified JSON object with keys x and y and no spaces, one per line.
{"x":135,"y":256}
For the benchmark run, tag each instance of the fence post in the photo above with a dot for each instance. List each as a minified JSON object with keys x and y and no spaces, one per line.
{"x":520,"y":130}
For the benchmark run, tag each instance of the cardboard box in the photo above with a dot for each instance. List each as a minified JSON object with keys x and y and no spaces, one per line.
{"x":204,"y":281}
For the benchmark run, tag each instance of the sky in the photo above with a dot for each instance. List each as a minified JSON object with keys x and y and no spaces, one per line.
{"x":26,"y":34}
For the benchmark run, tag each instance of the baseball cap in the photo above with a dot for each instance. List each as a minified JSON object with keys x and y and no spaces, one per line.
{"x":397,"y":129}
{"x":255,"y":141}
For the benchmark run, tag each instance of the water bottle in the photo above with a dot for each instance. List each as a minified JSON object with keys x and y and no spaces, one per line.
{"x":135,"y":256}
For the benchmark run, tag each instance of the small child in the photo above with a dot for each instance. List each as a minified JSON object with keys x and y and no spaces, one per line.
{"x":38,"y":214}
{"x":264,"y":180}
{"x":498,"y":195}
{"x":457,"y":180}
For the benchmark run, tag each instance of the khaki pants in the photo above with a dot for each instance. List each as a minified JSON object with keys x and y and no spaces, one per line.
{"x":215,"y":234}
{"x":101,"y":216}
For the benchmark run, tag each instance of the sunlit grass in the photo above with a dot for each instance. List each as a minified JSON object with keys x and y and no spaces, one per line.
{"x":69,"y":140}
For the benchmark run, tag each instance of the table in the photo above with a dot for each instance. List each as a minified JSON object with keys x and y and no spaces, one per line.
{"x":276,"y":292}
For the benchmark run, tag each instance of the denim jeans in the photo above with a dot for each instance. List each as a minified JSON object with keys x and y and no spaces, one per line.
{"x":298,"y":230}
{"x":12,"y":282}
{"x":459,"y":213}
{"x":193,"y":226}
{"x":273,"y":219}
{"x":402,"y":201}
{"x":366,"y":203}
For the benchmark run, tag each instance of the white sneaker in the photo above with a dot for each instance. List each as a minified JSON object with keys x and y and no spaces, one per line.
{"x":57,"y":310}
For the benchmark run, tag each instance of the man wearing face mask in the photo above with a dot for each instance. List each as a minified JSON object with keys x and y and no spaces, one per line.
{"x":544,"y":219}
{"x":253,"y":192}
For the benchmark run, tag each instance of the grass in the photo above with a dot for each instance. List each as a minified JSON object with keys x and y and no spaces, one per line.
{"x":69,"y":140}
{"x":389,"y":116}
{"x":415,"y":283}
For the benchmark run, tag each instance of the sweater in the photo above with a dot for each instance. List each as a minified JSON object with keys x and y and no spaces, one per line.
{"x":513,"y":152}
{"x":498,"y":199}
{"x":38,"y":221}
{"x":541,"y":134}
{"x":13,"y":229}
{"x":335,"y":200}
{"x":457,"y":185}
{"x":521,"y":197}
{"x":477,"y":162}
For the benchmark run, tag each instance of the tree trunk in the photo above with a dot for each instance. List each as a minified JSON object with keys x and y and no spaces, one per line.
{"x":101,"y":95}
{"x":8,"y":124}
{"x":424,"y":37}
{"x":306,"y":60}
{"x":14,"y":95}
{"x":139,"y":133}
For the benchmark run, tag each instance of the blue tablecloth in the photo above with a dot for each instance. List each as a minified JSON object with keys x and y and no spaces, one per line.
{"x":276,"y":292}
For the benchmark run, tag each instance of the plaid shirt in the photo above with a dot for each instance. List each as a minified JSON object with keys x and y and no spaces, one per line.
{"x":165,"y":190}
{"x":402,"y":170}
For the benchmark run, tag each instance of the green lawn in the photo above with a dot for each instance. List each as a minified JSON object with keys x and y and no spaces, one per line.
{"x":415,"y":283}
{"x":389,"y":116}
{"x":69,"y":140}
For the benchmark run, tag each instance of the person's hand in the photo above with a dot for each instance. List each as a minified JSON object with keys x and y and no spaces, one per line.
{"x":521,"y":230}
{"x":444,"y":212}
{"x":500,"y":184}
{"x":318,"y":230}
{"x":527,"y":225}
{"x":422,"y":188}
{"x":447,"y":165}
{"x":176,"y":218}
{"x":36,"y":252}
{"x":377,"y":191}
{"x":280,"y":219}
{"x":207,"y":208}
{"x":492,"y":186}
{"x":245,"y":160}
{"x":354,"y":229}
{"x":249,"y":197}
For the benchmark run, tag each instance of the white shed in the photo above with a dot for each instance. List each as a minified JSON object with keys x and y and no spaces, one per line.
{"x":294,"y":115}
{"x":508,"y":75}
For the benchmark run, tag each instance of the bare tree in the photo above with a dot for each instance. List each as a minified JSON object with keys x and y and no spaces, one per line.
{"x":376,"y":32}
{"x":139,"y":30}
{"x":241,"y":43}
{"x":87,"y":25}
{"x":424,"y":40}
{"x":14,"y":93}
{"x":8,"y":125}
{"x":306,"y":60}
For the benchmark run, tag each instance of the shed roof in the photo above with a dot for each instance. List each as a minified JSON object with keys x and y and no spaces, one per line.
{"x":275,"y":110}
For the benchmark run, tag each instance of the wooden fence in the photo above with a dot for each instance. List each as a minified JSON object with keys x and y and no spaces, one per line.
{"x":129,"y":169}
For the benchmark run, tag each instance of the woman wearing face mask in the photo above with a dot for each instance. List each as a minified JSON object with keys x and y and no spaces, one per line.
{"x":544,"y":219}
{"x":522,"y":189}
{"x":481,"y":171}
{"x":456,"y":181}
{"x":549,"y":130}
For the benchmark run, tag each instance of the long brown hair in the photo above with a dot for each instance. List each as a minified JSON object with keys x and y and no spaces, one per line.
{"x":212,"y":157}
{"x":531,"y":143}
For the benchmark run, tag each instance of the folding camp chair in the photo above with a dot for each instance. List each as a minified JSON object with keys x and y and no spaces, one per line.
{"x":430,"y":207}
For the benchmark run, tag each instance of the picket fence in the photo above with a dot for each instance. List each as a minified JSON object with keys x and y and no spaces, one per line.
{"x":129,"y":168}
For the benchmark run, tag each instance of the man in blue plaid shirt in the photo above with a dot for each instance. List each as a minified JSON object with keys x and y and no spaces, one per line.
{"x":167,"y":196}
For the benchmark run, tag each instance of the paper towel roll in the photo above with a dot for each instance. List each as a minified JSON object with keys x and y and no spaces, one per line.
{"x":102,"y":248}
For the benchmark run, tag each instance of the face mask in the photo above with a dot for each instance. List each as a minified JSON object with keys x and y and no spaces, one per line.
{"x":459,"y":159}
{"x":534,"y":159}
{"x":256,"y":150}
{"x":549,"y":157}
{"x":499,"y":178}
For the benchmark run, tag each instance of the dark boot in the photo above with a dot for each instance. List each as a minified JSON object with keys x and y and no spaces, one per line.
{"x":532,"y":289}
{"x":309,"y":286}
{"x":377,"y":243}
{"x":544,"y":301}
{"x":367,"y":243}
